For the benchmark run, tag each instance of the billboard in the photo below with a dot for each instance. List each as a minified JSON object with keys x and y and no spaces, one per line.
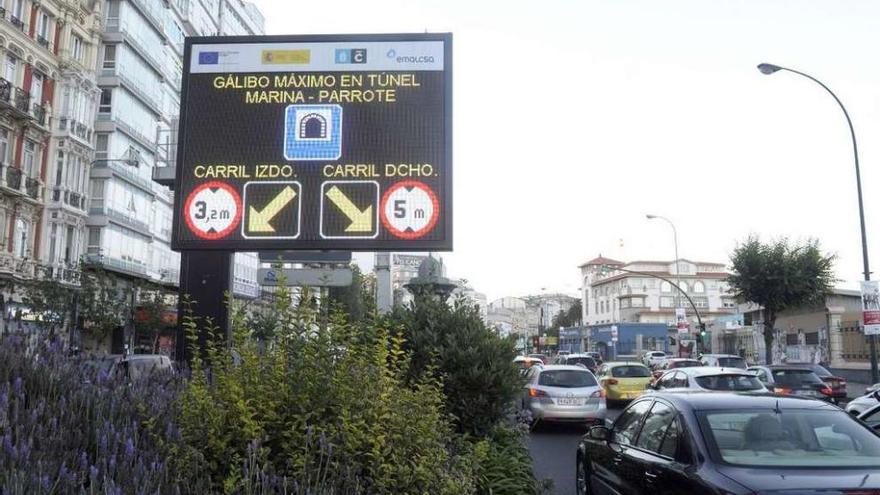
{"x":871,"y":307}
{"x":315,"y":143}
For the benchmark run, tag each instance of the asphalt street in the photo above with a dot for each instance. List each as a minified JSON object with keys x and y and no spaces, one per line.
{"x":552,"y":448}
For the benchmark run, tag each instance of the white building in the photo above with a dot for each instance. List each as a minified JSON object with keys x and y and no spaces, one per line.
{"x":611,"y":295}
{"x":139,"y":73}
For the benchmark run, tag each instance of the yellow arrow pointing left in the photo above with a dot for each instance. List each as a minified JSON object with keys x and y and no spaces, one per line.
{"x":361,"y":221}
{"x":258,"y":221}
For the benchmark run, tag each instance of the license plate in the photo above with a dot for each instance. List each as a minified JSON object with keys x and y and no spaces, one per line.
{"x":569,"y":402}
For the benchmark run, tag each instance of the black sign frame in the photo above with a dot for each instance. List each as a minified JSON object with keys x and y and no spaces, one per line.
{"x":361,"y":244}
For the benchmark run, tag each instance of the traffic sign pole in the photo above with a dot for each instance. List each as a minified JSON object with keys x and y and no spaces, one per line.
{"x":205,"y":279}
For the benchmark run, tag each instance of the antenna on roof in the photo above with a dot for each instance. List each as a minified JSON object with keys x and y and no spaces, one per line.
{"x":777,"y":410}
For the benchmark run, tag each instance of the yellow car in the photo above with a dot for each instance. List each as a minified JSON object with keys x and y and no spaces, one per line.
{"x":623,"y":381}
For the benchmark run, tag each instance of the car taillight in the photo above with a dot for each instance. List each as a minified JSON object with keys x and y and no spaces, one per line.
{"x":599,"y":394}
{"x":611,"y":381}
{"x":533,"y":392}
{"x":782,"y":390}
{"x":826,"y":391}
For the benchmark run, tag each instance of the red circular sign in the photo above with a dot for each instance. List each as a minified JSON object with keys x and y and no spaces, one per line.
{"x":410,"y":209}
{"x":212,"y":210}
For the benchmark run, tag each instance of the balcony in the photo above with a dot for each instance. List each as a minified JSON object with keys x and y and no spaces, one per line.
{"x":15,"y":21}
{"x":115,"y":26}
{"x":44,"y":42}
{"x":76,"y":129}
{"x":115,"y":123}
{"x":13,"y":178}
{"x":39,"y":114}
{"x":122,"y":171}
{"x":32,"y":186}
{"x":17,"y":266}
{"x":113,"y":77}
{"x":115,"y":264}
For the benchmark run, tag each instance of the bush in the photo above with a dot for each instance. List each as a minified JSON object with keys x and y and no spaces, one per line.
{"x":503,"y":463}
{"x":480,"y":382}
{"x":328,"y":403}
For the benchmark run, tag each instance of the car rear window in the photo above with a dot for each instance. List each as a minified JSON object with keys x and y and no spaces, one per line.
{"x":729,"y":382}
{"x":732,"y":362}
{"x":685,"y":364}
{"x":567,"y":379}
{"x":795,"y":378}
{"x":586,"y":361}
{"x":630,"y":372}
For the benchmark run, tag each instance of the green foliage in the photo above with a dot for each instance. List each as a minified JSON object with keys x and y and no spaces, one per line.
{"x":479,"y":380}
{"x":503,"y":464}
{"x":358,"y":300}
{"x":779,"y":276}
{"x":330,"y":404}
{"x":568,"y":318}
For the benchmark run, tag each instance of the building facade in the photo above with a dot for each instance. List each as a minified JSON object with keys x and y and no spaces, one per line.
{"x":609,"y":294}
{"x":139,"y":74}
{"x":48,"y":100}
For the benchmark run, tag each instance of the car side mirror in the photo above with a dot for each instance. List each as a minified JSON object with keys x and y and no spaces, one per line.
{"x":600,"y":433}
{"x":650,"y":386}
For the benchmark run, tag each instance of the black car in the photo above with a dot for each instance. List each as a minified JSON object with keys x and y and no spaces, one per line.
{"x":727,"y":443}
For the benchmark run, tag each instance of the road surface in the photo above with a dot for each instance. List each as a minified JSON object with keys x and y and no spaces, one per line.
{"x":552,"y":448}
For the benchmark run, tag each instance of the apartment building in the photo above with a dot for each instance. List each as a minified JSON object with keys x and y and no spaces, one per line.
{"x":139,"y":75}
{"x":48,"y":97}
{"x":612,"y":293}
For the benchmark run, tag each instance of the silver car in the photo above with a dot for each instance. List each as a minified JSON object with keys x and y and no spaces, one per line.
{"x":563,"y":393}
{"x":708,"y":378}
{"x":860,"y":405}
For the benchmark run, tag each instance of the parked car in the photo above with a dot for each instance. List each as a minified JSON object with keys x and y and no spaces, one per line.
{"x":871,"y":417}
{"x":623,"y":381}
{"x":563,"y":393}
{"x":674,"y":363}
{"x":144,"y":366}
{"x":579,"y":359}
{"x":786,"y":379}
{"x":724,"y":361}
{"x":543,"y":357}
{"x":861,"y":404}
{"x":709,"y":378}
{"x":652,"y":359}
{"x":837,"y":383}
{"x":730,"y":443}
{"x":525,"y":362}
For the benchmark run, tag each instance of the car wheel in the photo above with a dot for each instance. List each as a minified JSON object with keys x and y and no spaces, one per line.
{"x":582,"y":478}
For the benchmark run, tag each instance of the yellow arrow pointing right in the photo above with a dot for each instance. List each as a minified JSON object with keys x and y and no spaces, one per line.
{"x":258,"y":221}
{"x":361,"y":221}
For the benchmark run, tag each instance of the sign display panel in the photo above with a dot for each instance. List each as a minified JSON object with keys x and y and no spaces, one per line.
{"x":315,"y":143}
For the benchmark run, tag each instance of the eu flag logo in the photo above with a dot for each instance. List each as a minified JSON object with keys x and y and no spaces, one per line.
{"x":209,"y":58}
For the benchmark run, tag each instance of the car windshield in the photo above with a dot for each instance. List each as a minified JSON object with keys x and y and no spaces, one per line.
{"x":795,"y":378}
{"x":732,"y":362}
{"x":729,"y":382}
{"x":566,"y":379}
{"x":586,"y":361}
{"x":630,"y":372}
{"x":685,"y":364}
{"x":141,"y":368}
{"x":790,"y":438}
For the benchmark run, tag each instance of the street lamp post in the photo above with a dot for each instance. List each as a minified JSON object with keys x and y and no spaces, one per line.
{"x":675,"y":241}
{"x":771,"y":69}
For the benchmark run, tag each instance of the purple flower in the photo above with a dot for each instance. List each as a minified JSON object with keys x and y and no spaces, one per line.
{"x":17,"y":386}
{"x":44,"y":481}
{"x":129,"y":448}
{"x":93,"y":472}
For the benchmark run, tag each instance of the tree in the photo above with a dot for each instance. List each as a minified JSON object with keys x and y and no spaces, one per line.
{"x":568,"y":318}
{"x":357,"y":299}
{"x":779,"y":276}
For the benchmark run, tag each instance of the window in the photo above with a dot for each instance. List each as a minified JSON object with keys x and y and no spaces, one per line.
{"x":667,"y":302}
{"x":52,"y":240}
{"x":671,"y":441}
{"x":796,"y":438}
{"x":624,"y":303}
{"x":699,"y":287}
{"x":17,"y":7}
{"x":21,"y":237}
{"x":665,"y":286}
{"x":110,"y":56}
{"x":627,"y":425}
{"x":106,"y":100}
{"x":59,"y":168}
{"x":77,"y":48}
{"x":30,"y":150}
{"x":566,"y":379}
{"x":684,"y":286}
{"x":727,"y":303}
{"x":11,"y":70}
{"x":68,"y":244}
{"x":729,"y":382}
{"x":654,"y":430}
{"x":4,"y":145}
{"x":94,"y":236}
{"x":630,"y":371}
{"x":43,"y":25}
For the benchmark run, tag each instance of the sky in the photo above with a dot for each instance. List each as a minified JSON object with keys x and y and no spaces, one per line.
{"x":649,"y":107}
